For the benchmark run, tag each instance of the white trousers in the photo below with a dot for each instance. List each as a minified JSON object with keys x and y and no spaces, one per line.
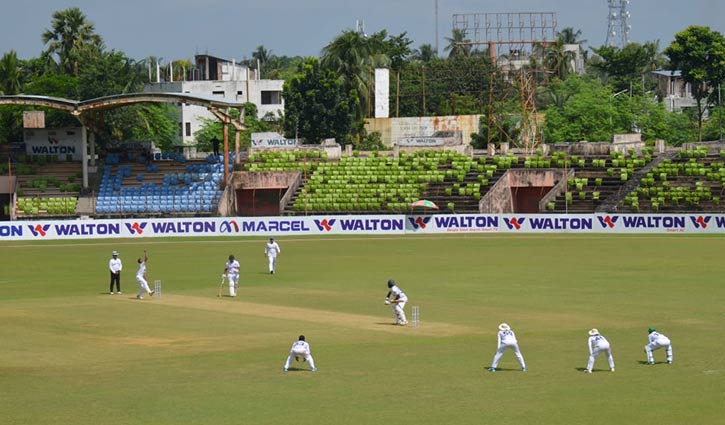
{"x":595,"y":352}
{"x":272,"y":262}
{"x":233,"y":279}
{"x":502,"y":348}
{"x":143,"y":286}
{"x":399,"y":312}
{"x":301,"y":353}
{"x":649,"y":348}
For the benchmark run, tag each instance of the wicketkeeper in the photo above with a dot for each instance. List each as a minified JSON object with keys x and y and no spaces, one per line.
{"x":657,"y":341}
{"x":300,"y":348}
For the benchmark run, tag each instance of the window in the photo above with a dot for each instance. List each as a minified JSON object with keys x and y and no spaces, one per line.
{"x":218,"y":93}
{"x":188,"y":129}
{"x":181,"y":129}
{"x":271,"y":97}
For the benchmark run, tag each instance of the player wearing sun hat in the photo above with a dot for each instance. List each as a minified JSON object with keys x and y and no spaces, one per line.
{"x":657,"y":341}
{"x":506,"y":341}
{"x":598,"y":344}
{"x":115,"y":266}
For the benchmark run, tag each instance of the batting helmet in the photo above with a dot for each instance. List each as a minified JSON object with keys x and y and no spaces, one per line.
{"x":391,"y":283}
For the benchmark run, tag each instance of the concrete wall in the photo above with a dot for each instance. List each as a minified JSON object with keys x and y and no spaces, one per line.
{"x":391,"y":129}
{"x":499,"y":199}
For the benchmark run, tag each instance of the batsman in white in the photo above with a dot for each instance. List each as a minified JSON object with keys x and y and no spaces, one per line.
{"x":300,"y":348}
{"x":271,"y":250}
{"x":598,"y":344}
{"x":398,"y":301}
{"x":506,"y":341}
{"x":231,"y":269}
{"x":141,"y":277}
{"x":657,"y":341}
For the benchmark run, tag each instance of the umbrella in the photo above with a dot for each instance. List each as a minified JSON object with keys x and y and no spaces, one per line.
{"x":425,"y":204}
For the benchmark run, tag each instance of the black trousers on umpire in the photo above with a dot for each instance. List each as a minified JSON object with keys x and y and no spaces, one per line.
{"x":116,"y":278}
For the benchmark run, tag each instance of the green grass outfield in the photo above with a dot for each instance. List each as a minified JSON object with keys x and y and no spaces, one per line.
{"x":72,"y":354}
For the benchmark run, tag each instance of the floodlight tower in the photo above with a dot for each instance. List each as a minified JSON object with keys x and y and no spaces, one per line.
{"x":618,"y":23}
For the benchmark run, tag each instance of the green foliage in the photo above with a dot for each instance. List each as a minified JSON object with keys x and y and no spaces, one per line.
{"x":213,"y":128}
{"x":318,"y":105}
{"x":69,"y":36}
{"x":371,"y":142}
{"x":624,"y":68}
{"x":699,"y":53}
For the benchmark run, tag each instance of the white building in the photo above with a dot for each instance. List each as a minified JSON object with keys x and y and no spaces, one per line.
{"x":220,"y":77}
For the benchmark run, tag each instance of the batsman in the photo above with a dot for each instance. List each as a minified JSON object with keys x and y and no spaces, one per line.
{"x":398,"y":301}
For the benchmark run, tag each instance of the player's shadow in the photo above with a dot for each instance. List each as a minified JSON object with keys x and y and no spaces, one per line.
{"x":644,"y":362}
{"x":387,"y":324}
{"x":503,"y":369}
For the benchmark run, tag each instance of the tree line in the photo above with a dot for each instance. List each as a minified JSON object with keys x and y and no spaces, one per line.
{"x":332,"y":95}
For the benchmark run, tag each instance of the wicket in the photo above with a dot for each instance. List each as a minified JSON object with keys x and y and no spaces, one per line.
{"x":157,"y":288}
{"x":416,"y":315}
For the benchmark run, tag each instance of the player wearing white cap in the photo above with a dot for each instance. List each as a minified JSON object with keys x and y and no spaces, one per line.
{"x":300,"y":348}
{"x":231,"y":269}
{"x":115,"y":265}
{"x":141,"y":277}
{"x":506,"y":341}
{"x":398,"y":301}
{"x":598,"y":344}
{"x":271,"y":250}
{"x":657,"y":341}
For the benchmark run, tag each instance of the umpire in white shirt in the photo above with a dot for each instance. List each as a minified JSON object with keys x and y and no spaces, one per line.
{"x":115,"y":266}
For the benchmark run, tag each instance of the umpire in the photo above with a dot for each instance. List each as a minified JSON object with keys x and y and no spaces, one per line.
{"x":115,"y":266}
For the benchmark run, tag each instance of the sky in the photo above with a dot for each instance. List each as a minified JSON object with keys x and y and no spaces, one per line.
{"x":232,"y":29}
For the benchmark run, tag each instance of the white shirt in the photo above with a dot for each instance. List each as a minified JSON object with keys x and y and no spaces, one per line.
{"x":115,"y":265}
{"x":658,"y":338}
{"x":398,"y":294}
{"x":300,"y":347}
{"x":272,"y":249}
{"x":141,"y":269}
{"x":506,"y":338}
{"x":232,"y":267}
{"x":597,"y":341}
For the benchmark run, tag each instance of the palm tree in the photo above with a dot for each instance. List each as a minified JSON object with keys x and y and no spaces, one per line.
{"x":70,"y":34}
{"x":10,"y":74}
{"x":425,"y":53}
{"x":569,"y":36}
{"x":557,"y":60}
{"x":455,"y":46}
{"x":354,"y":56}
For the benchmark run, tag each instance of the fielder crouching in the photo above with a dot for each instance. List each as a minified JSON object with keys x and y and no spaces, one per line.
{"x":300,"y":348}
{"x":657,"y":341}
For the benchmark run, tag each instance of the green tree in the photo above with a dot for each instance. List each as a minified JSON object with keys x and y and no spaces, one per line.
{"x":354,"y":56}
{"x":569,"y":36}
{"x":455,"y":47}
{"x":699,"y":53}
{"x":425,"y":53}
{"x":10,"y":74}
{"x":69,"y":35}
{"x":213,"y":128}
{"x":318,"y":104}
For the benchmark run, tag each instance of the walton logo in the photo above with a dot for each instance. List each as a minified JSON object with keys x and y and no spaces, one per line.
{"x":514,"y":222}
{"x":700,"y":221}
{"x":39,"y":230}
{"x":419,"y":222}
{"x":230,"y":226}
{"x":325,"y":224}
{"x":135,"y":228}
{"x":608,"y":221}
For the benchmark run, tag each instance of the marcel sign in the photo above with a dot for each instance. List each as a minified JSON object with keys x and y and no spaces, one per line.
{"x":272,"y":140}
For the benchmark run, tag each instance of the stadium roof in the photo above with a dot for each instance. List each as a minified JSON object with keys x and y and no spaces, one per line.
{"x":77,"y":107}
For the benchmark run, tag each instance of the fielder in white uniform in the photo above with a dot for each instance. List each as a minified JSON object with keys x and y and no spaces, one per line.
{"x":398,"y":301}
{"x":141,"y":277}
{"x":506,"y":341}
{"x":657,"y":341}
{"x":598,"y":344}
{"x":231,"y":269}
{"x":300,"y":348}
{"x":271,"y":250}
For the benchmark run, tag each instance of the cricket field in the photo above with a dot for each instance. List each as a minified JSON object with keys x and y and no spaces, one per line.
{"x":74,"y":354}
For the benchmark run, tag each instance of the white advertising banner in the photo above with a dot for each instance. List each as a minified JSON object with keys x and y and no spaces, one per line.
{"x":364,"y":225}
{"x":272,"y":140}
{"x":201,"y":226}
{"x":54,"y":141}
